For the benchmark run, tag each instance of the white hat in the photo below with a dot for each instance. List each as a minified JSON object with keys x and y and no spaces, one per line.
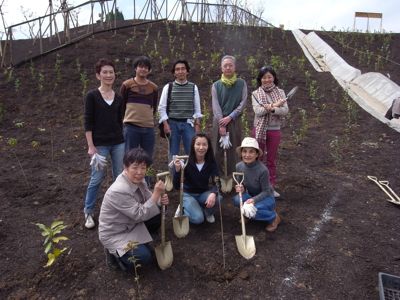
{"x":249,"y":142}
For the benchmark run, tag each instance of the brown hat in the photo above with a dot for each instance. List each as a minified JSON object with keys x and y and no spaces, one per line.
{"x":249,"y":142}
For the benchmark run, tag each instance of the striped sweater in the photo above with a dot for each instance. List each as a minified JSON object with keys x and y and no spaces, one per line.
{"x":140,"y":101}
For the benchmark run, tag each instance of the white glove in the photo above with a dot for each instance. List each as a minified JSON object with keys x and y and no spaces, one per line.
{"x":249,"y":210}
{"x":172,"y":163}
{"x":224,"y":142}
{"x":99,"y":162}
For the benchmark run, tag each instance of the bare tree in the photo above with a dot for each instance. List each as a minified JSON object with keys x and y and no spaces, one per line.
{"x":28,"y":14}
{"x":4,"y":27}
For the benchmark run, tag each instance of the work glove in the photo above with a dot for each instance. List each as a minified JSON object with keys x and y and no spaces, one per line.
{"x":249,"y":210}
{"x":98,"y":162}
{"x":172,"y":163}
{"x":224,"y":142}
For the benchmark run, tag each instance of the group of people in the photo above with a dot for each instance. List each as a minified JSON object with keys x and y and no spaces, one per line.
{"x":120,"y":128}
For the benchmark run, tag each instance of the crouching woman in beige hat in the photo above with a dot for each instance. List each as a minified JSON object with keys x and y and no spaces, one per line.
{"x":256,"y":189}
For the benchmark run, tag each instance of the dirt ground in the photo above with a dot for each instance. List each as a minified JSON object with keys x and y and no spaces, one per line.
{"x":337,"y":233}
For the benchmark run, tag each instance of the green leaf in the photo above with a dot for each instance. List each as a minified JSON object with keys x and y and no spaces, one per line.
{"x":51,"y":260}
{"x":59,"y":238}
{"x":57,"y":252}
{"x":47,"y":248}
{"x":46,"y":240}
{"x":55,"y":224}
{"x":41,"y":226}
{"x":59,"y":227}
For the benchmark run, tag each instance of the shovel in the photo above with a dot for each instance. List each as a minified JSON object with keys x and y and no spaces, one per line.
{"x":168,"y":178}
{"x":226,"y":182}
{"x":163,"y":252}
{"x":181,"y":222}
{"x":385,"y":183}
{"x":382,"y":185}
{"x":245,"y":244}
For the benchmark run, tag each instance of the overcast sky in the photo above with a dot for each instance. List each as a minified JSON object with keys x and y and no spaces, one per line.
{"x":306,"y":14}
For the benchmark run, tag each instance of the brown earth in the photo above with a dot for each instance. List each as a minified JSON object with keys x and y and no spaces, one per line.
{"x":338,"y":231}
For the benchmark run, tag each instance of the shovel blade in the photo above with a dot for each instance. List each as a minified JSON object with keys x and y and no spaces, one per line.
{"x":164,"y":255}
{"x":168,"y":184}
{"x":246,"y":246}
{"x":181,"y":226}
{"x":226,"y":184}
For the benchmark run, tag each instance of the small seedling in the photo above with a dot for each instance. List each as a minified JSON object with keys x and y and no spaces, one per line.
{"x":52,"y":238}
{"x":35,"y":144}
{"x":17,"y":85}
{"x":19,"y":124}
{"x":132,"y":245}
{"x":206,"y":116}
{"x":84,"y":81}
{"x":12,"y":142}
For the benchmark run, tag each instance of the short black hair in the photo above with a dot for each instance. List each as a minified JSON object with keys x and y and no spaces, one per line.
{"x":142,"y":61}
{"x":103,"y":62}
{"x":136,"y":155}
{"x":181,"y":61}
{"x":265,"y":70}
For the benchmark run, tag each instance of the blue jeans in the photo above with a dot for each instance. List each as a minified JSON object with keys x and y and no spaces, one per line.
{"x":142,"y":137}
{"x":116,"y":152}
{"x":142,"y":253}
{"x":180,"y":131}
{"x":265,"y":207}
{"x":194,"y":206}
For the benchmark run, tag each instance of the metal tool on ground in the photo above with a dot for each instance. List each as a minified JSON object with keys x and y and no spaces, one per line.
{"x":385,"y":183}
{"x":180,"y":223}
{"x":217,"y":182}
{"x":384,"y":186}
{"x":245,"y":243}
{"x":395,"y":199}
{"x":163,"y":251}
{"x":168,"y":179}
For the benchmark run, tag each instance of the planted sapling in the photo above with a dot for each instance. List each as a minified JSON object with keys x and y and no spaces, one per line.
{"x":52,"y":238}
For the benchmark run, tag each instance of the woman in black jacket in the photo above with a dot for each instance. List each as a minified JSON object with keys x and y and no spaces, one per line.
{"x":199,"y":189}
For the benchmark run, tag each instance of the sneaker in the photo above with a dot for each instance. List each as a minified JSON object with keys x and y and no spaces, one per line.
{"x":89,"y":221}
{"x":274,"y":225}
{"x":276,"y":194}
{"x":178,"y":210}
{"x":113,"y":262}
{"x":210,"y":219}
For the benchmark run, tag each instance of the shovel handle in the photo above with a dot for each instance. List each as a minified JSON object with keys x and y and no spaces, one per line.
{"x":241,"y":216}
{"x":235,"y":177}
{"x":182,"y":157}
{"x":163,"y":225}
{"x":225,"y":164}
{"x":162,"y":174}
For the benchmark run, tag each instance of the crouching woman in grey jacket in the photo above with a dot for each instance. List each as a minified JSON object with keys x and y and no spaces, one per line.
{"x":130,"y":212}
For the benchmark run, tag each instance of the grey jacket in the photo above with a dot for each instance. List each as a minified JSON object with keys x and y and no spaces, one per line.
{"x":124,"y":209}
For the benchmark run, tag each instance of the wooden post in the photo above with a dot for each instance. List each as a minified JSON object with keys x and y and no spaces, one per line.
{"x":367,"y":15}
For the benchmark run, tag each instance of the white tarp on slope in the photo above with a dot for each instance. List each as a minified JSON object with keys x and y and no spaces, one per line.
{"x":299,"y":36}
{"x":375,"y":93}
{"x":372,"y":91}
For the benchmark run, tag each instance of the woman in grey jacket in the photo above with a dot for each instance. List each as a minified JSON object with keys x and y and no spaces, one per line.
{"x":269,"y":105}
{"x":129,"y":212}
